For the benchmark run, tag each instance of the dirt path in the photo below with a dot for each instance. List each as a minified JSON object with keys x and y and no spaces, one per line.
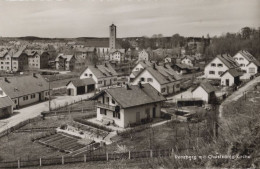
{"x":237,"y":94}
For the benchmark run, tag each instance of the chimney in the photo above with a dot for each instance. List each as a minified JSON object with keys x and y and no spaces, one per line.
{"x":140,"y":85}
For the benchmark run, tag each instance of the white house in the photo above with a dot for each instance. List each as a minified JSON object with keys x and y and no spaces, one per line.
{"x":247,"y":62}
{"x":163,"y":78}
{"x":188,"y":60}
{"x":205,"y":91}
{"x":65,"y":62}
{"x":140,"y":66}
{"x":80,"y":86}
{"x":143,"y":55}
{"x":231,"y":77}
{"x":219,"y":65}
{"x":117,"y":55}
{"x":6,"y":105}
{"x":129,"y":105}
{"x":103,"y":75}
{"x":25,"y":90}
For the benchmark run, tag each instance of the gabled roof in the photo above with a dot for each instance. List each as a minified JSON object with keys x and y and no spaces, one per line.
{"x":250,"y":58}
{"x":135,"y":96}
{"x":233,"y":72}
{"x":23,"y":85}
{"x":163,"y":74}
{"x":228,"y":61}
{"x":6,"y":102}
{"x":206,"y":86}
{"x":67,"y":57}
{"x":101,"y":71}
{"x":3,"y":53}
{"x":82,"y":82}
{"x":117,"y":50}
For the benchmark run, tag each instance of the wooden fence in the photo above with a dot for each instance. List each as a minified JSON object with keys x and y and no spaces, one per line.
{"x":86,"y":158}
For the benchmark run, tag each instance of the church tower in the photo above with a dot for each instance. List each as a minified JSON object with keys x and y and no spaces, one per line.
{"x":112,"y":37}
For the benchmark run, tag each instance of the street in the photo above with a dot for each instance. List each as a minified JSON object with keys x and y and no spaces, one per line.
{"x":35,"y":110}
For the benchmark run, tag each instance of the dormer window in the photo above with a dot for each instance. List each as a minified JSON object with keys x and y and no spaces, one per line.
{"x":241,"y":58}
{"x":213,"y":65}
{"x":220,"y":65}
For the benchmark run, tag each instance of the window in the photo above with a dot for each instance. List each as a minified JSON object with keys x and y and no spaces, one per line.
{"x":113,"y":101}
{"x":86,"y":74}
{"x":142,"y":79}
{"x":251,"y":70}
{"x":116,"y":114}
{"x":25,"y":98}
{"x":115,"y":79}
{"x":149,"y":80}
{"x":14,"y":63}
{"x":242,"y":65}
{"x":103,"y":111}
{"x":213,"y":65}
{"x":220,"y":72}
{"x":33,"y":96}
{"x":6,"y":63}
{"x":220,"y":65}
{"x":211,"y":72}
{"x":107,"y":99}
{"x":177,"y":85}
{"x":2,"y":62}
{"x":100,"y":82}
{"x":241,"y":58}
{"x":147,"y":112}
{"x":90,"y":75}
{"x":163,"y":90}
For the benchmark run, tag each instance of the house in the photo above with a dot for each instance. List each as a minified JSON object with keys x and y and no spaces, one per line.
{"x":231,"y":77}
{"x":220,"y":64}
{"x":139,"y":66}
{"x":117,"y":55}
{"x":143,"y":55}
{"x":37,"y":59}
{"x":182,"y":68}
{"x":6,"y":105}
{"x":163,"y":78}
{"x":247,"y":62}
{"x":129,"y":105}
{"x":85,"y":52}
{"x":188,"y":60}
{"x":103,"y":75}
{"x":204,"y":91}
{"x":65,"y":62}
{"x":25,"y":90}
{"x":13,"y":60}
{"x":80,"y":86}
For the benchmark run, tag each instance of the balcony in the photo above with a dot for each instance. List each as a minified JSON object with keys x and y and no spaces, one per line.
{"x":105,"y":106}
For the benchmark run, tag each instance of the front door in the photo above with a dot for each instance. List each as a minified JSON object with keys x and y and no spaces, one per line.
{"x":154,"y":112}
{"x":138,"y":117}
{"x":227,"y":82}
{"x":40,"y":97}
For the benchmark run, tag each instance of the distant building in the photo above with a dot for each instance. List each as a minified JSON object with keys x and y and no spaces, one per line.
{"x":188,"y":60}
{"x":37,"y":59}
{"x":163,"y":78}
{"x":143,"y":55}
{"x":219,"y":65}
{"x":25,"y":90}
{"x":80,"y":86}
{"x":231,"y":77}
{"x":65,"y":62}
{"x":129,"y":105}
{"x":117,"y":55}
{"x":112,"y":37}
{"x":247,"y":62}
{"x":103,"y":75}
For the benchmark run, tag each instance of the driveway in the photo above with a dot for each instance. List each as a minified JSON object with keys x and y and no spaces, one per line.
{"x":35,"y":110}
{"x":237,"y":94}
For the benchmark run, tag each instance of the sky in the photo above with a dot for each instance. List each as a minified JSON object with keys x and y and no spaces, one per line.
{"x":91,"y":18}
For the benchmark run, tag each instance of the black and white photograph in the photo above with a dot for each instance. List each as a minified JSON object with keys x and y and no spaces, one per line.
{"x":129,"y":84}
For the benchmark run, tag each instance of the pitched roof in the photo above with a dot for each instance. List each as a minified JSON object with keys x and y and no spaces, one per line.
{"x":67,"y":57}
{"x":135,"y":96}
{"x":82,"y":82}
{"x":206,"y":86}
{"x":228,"y":61}
{"x":248,"y":56}
{"x":24,"y":85}
{"x":233,"y":72}
{"x":101,"y":71}
{"x":163,"y":74}
{"x":117,"y":50}
{"x":3,"y":53}
{"x":5,"y":102}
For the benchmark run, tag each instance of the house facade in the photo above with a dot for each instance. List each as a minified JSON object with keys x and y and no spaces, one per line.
{"x":25,"y":90}
{"x":187,"y":60}
{"x":205,"y":91}
{"x":218,"y":66}
{"x":37,"y":59}
{"x":231,"y":77}
{"x":247,"y":62}
{"x":6,"y":105}
{"x":117,"y":55}
{"x":143,"y":55}
{"x":129,"y":105}
{"x":80,"y":86}
{"x":163,"y":78}
{"x":103,"y":75}
{"x":65,"y":62}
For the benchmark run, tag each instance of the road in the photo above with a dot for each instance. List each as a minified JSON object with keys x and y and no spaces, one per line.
{"x":35,"y":110}
{"x":237,"y":94}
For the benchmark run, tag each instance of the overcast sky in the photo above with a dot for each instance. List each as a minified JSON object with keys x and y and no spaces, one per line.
{"x":91,"y":18}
